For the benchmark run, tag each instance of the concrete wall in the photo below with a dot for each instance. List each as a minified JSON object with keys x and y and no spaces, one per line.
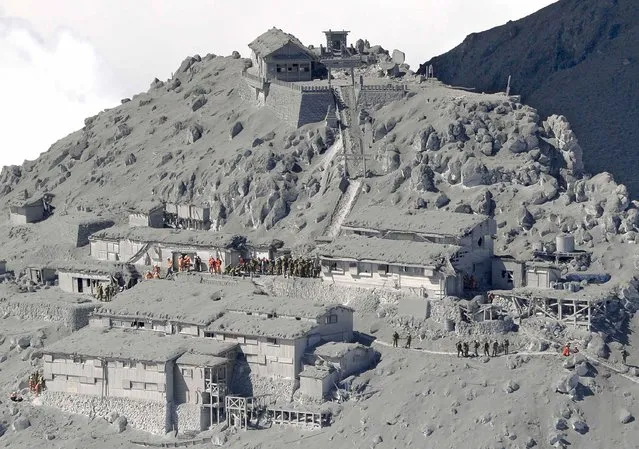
{"x":341,"y":330}
{"x":68,"y":282}
{"x":133,"y":380}
{"x":537,"y":277}
{"x":500,"y":269}
{"x":142,"y":415}
{"x":153,"y":220}
{"x":189,"y":383}
{"x":28,"y":214}
{"x":368,"y":276}
{"x":318,"y":388}
{"x":73,"y":316}
{"x":267,"y":359}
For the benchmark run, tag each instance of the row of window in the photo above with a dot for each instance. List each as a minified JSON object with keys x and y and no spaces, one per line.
{"x":363,"y":269}
{"x":282,"y":68}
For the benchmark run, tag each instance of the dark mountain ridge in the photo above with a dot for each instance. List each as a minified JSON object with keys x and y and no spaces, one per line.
{"x":579,"y":58}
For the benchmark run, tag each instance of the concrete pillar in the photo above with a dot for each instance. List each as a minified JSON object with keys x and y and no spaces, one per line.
{"x":353,"y":76}
{"x":329,"y":76}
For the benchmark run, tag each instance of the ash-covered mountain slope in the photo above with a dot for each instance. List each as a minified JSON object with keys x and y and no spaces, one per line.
{"x":193,"y":139}
{"x":578,"y":58}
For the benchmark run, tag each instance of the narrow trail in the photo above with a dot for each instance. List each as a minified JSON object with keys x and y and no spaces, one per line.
{"x":429,"y":351}
{"x":344,"y":206}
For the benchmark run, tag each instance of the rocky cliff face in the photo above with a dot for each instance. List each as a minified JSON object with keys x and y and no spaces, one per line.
{"x":193,"y":139}
{"x":578,"y":58}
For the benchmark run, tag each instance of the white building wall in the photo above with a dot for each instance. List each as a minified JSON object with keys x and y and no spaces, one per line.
{"x":17,"y":219}
{"x":341,"y":330}
{"x":133,"y":380}
{"x":277,"y":360}
{"x":433,"y":286}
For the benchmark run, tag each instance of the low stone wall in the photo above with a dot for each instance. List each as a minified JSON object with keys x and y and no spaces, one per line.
{"x":482,"y":328}
{"x":142,"y":415}
{"x":444,"y":309}
{"x":369,"y":98}
{"x":361,"y":299}
{"x":189,"y":417}
{"x":73,"y":316}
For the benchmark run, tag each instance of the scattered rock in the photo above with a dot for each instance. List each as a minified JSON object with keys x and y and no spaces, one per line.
{"x":235,"y":54}
{"x":122,"y":131}
{"x":20,"y":423}
{"x":422,"y":179}
{"x":193,"y":134}
{"x":442,"y":200}
{"x":568,"y":383}
{"x":156,"y":83}
{"x":219,"y":439}
{"x":561,"y":424}
{"x":511,"y":387}
{"x":581,"y":369}
{"x":23,"y":342}
{"x":236,"y":129}
{"x":625,"y":416}
{"x":112,"y":416}
{"x":377,"y":439}
{"x":580,"y":427}
{"x":198,"y":103}
{"x":530,"y":443}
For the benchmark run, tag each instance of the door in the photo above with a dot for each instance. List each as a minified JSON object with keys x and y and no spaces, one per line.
{"x":80,"y":286}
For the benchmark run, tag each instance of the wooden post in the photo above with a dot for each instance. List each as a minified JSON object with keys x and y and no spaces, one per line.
{"x":353,"y":76}
{"x":508,"y":87}
{"x":559,"y":308}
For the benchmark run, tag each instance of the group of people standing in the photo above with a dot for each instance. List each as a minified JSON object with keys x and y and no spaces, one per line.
{"x":286,"y":266}
{"x":463,"y":348}
{"x":105,"y":292}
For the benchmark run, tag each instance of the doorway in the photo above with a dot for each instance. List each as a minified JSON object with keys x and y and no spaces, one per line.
{"x":80,"y":286}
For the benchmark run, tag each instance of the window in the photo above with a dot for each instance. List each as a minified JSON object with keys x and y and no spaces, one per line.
{"x":331,"y":319}
{"x":137,"y":385}
{"x":77,"y":360}
{"x":480,"y":242}
{"x":382,"y":269}
{"x":137,"y":324}
{"x":271,"y":341}
{"x":187,"y":372}
{"x":151,"y":387}
{"x":280,"y":68}
{"x":128,"y":364}
{"x":508,"y":275}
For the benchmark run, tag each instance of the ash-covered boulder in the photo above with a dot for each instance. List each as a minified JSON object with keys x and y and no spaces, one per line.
{"x":421,"y":139}
{"x":198,"y":103}
{"x":130,"y":159}
{"x":598,"y":346}
{"x":398,"y":57}
{"x":422,"y":179}
{"x":568,"y":383}
{"x":236,"y":129}
{"x":483,"y":203}
{"x":120,"y":424}
{"x":186,"y":64}
{"x":580,"y":426}
{"x":557,"y":127}
{"x":193,"y":134}
{"x":236,"y":54}
{"x":390,"y":159}
{"x":122,"y":131}
{"x":174,"y":84}
{"x":434,"y":142}
{"x":474,"y":173}
{"x":525,"y":219}
{"x":441,"y":200}
{"x":625,"y":416}
{"x":20,"y":423}
{"x":156,"y":83}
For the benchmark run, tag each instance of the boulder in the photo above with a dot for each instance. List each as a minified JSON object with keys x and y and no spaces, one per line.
{"x":525,"y":219}
{"x":625,"y":416}
{"x":568,"y":383}
{"x":433,"y":143}
{"x":511,"y":387}
{"x":24,"y":341}
{"x":422,"y":179}
{"x":581,"y":369}
{"x":580,"y":426}
{"x":198,"y":103}
{"x":219,"y":439}
{"x":561,"y":424}
{"x":236,"y":54}
{"x":20,"y":423}
{"x":390,"y":159}
{"x":193,"y":134}
{"x":398,"y":57}
{"x":120,"y":424}
{"x":236,"y":129}
{"x":186,"y":64}
{"x":130,"y":159}
{"x":441,"y":200}
{"x":597,"y":346}
{"x":3,"y":358}
{"x":516,"y":145}
{"x":474,"y":173}
{"x":156,"y":83}
{"x":112,"y":416}
{"x":420,"y":142}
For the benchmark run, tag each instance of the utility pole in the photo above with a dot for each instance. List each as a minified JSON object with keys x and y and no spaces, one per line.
{"x":508,"y":87}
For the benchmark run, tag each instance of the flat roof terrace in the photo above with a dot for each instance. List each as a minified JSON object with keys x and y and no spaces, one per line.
{"x":164,"y":300}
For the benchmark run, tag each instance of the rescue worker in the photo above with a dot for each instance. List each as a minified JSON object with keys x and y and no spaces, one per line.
{"x":487,"y":348}
{"x":187,"y":263}
{"x":495,"y":348}
{"x":211,"y":264}
{"x":395,"y":339}
{"x":408,"y":341}
{"x":624,"y":354}
{"x":506,"y":346}
{"x":198,"y":263}
{"x":459,"y":349}
{"x":181,"y":263}
{"x":476,"y":347}
{"x":566,"y":350}
{"x":466,"y":348}
{"x":148,"y":275}
{"x":100,"y":292}
{"x":169,"y":267}
{"x":218,"y":265}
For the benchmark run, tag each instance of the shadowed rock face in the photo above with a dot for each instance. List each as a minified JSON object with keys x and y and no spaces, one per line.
{"x":578,"y":58}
